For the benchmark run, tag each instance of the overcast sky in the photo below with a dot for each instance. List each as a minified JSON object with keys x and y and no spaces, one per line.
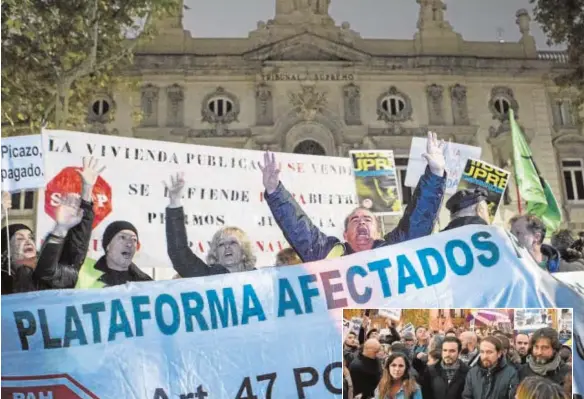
{"x":475,"y":19}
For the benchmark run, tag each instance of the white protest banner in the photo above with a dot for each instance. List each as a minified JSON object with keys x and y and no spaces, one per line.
{"x":408,"y":328}
{"x":346,"y":327}
{"x":392,"y":314}
{"x":187,"y":334}
{"x":22,"y":163}
{"x":356,"y":323}
{"x":456,"y":157}
{"x":223,"y":188}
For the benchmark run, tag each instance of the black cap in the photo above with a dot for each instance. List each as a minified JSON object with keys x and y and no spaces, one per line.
{"x":465,"y":198}
{"x":113,"y":229}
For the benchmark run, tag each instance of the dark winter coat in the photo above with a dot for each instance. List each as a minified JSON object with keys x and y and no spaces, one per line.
{"x":465,"y":221}
{"x":183,"y":259}
{"x":59,"y":260}
{"x":435,"y":384}
{"x":558,"y":375}
{"x":365,"y":374}
{"x":311,"y":244}
{"x":499,"y":383}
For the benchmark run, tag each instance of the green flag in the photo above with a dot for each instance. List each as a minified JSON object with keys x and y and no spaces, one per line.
{"x":532,"y":186}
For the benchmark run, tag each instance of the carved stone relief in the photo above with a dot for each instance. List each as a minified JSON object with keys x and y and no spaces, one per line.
{"x":175,"y":106}
{"x":308,"y":101}
{"x":149,"y":105}
{"x":352,"y":104}
{"x":264,"y":105}
{"x":435,"y":112}
{"x":459,"y":105}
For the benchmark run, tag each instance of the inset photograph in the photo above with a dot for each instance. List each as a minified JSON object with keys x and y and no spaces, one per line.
{"x":457,"y":353}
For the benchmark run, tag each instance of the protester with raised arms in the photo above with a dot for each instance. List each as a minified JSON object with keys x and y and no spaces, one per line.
{"x":362,"y":232}
{"x":65,"y":248}
{"x":230,"y":250}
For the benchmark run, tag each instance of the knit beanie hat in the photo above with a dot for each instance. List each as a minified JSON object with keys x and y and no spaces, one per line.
{"x":113,"y":229}
{"x":9,"y":231}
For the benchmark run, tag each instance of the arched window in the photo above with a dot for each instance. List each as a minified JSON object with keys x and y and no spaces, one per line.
{"x":309,"y":147}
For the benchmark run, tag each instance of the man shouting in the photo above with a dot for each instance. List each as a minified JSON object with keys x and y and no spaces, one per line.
{"x":362,"y":231}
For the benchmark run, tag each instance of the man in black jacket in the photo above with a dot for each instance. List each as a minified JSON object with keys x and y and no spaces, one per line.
{"x":522,"y":347}
{"x":445,"y":379}
{"x":230,"y":250}
{"x":545,"y":360}
{"x":366,"y":370}
{"x":468,"y":207}
{"x":492,"y":377}
{"x":65,"y":247}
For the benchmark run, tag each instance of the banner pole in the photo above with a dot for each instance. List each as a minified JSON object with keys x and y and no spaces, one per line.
{"x":382,"y":225}
{"x":518,"y":198}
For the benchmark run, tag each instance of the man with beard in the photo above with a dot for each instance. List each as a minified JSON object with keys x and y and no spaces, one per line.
{"x":522,"y":346}
{"x":65,"y":247}
{"x":350,"y":348}
{"x":492,"y":378}
{"x":230,"y":249}
{"x":362,"y":232}
{"x":469,"y":354}
{"x":366,"y":369}
{"x":545,"y":360}
{"x":445,"y":379}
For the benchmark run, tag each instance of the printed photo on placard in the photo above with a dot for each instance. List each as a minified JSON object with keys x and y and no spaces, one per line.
{"x":491,"y":178}
{"x":376,"y":181}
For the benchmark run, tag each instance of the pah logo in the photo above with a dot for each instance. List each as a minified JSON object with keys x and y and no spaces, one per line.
{"x":68,"y":182}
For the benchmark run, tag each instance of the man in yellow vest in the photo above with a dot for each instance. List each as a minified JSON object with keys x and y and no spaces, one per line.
{"x":120,"y":243}
{"x":362,"y":232}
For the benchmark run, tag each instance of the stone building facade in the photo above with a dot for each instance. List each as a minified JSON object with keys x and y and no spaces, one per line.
{"x":302,"y":83}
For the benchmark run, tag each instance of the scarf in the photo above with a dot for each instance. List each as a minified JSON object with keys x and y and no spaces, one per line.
{"x":543,"y":369}
{"x":467,"y":357}
{"x":450,"y":371}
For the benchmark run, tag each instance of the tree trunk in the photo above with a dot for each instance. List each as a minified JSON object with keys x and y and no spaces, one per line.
{"x":62,"y":106}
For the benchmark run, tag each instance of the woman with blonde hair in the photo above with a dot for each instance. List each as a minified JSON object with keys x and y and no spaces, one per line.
{"x":397,"y":381}
{"x":230,"y":250}
{"x":540,"y":388}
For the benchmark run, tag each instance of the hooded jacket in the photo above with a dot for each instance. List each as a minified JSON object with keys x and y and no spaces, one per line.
{"x":555,"y":264}
{"x":184,"y":260}
{"x":500,"y":382}
{"x":311,"y":244}
{"x":59,"y":260}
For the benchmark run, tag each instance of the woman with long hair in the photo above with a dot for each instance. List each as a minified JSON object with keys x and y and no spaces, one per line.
{"x":397,"y":382}
{"x":540,"y":388}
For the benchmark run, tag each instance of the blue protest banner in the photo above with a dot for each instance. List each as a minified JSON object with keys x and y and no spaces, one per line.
{"x":273,"y":333}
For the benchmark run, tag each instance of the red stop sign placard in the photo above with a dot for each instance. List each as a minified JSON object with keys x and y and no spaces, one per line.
{"x":68,"y":181}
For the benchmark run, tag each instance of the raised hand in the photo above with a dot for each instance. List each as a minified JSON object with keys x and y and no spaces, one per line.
{"x":270,"y":173}
{"x":175,"y":189}
{"x":68,"y":215}
{"x":89,"y":175}
{"x":435,"y":154}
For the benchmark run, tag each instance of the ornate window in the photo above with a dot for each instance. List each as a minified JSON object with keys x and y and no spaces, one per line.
{"x":220,"y":107}
{"x":563,"y":112}
{"x":175,"y":106}
{"x":394,"y":106}
{"x":100,"y":109}
{"x":573,"y":176}
{"x":502,"y":100}
{"x":309,"y":147}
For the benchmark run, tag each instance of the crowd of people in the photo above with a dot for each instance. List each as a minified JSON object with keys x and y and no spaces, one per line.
{"x":62,"y":261}
{"x":455,"y":364}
